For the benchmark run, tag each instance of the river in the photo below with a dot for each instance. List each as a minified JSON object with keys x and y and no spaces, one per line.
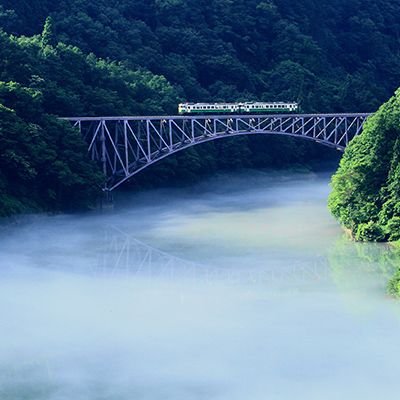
{"x":240,"y":287}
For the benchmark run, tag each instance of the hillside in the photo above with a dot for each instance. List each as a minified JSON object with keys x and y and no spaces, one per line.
{"x":331,"y":55}
{"x":109,"y":57}
{"x":366,"y":188}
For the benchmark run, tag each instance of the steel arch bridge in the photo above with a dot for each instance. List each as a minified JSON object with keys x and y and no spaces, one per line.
{"x":126,"y":146}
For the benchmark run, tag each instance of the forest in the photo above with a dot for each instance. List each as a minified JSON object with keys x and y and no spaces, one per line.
{"x":142,"y":57}
{"x":366,"y":188}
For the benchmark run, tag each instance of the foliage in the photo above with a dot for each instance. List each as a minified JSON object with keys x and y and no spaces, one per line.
{"x":35,"y":175}
{"x":43,"y":162}
{"x":369,"y":232}
{"x":331,"y":55}
{"x":366,"y":188}
{"x":92,"y":57}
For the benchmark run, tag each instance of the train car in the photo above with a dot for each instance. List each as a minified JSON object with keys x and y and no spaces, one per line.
{"x":238,"y":108}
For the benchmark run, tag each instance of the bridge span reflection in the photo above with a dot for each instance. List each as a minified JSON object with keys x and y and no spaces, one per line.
{"x":123,"y":254}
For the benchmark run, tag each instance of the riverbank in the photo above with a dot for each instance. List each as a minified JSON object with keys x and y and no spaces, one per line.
{"x":393,"y":286}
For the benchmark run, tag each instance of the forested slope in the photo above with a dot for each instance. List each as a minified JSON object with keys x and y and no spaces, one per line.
{"x":113,"y":57}
{"x":366,"y":188}
{"x":335,"y":55}
{"x":43,"y":161}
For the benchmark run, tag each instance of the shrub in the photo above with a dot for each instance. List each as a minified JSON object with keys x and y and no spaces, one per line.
{"x":370,"y":232}
{"x":393,"y":228}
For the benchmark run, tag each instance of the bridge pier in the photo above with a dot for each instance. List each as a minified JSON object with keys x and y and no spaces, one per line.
{"x":107,"y":200}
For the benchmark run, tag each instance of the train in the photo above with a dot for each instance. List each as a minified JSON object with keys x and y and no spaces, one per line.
{"x":238,"y":108}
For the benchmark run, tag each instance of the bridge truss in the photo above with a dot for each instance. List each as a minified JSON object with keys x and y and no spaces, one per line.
{"x":127,"y":145}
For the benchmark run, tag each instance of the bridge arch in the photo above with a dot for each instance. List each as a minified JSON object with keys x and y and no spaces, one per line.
{"x":189,"y":145}
{"x":125,"y":146}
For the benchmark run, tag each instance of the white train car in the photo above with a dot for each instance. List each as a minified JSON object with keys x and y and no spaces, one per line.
{"x":238,"y":108}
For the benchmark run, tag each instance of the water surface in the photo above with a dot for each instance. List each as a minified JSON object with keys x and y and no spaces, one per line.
{"x":241,"y":287}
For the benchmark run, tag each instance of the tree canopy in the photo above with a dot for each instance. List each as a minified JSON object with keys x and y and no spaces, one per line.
{"x":366,"y":188}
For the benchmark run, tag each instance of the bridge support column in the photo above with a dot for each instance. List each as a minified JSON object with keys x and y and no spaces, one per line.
{"x":103,"y":148}
{"x":106,"y":200}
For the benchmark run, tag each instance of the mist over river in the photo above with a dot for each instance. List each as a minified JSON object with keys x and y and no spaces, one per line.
{"x":240,"y":287}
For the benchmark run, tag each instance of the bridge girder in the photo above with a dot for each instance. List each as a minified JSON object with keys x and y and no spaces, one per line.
{"x":125,"y":146}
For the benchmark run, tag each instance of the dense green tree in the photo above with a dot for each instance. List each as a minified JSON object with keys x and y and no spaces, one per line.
{"x":43,"y":161}
{"x":198,"y":43}
{"x":48,"y":35}
{"x":366,"y":188}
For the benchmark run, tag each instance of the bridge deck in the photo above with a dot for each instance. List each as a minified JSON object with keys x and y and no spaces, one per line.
{"x":213,"y":116}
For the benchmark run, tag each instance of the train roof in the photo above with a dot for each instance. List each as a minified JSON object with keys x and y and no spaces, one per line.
{"x":240,"y":102}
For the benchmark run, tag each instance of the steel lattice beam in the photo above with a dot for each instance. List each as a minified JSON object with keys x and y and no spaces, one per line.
{"x":126,"y":145}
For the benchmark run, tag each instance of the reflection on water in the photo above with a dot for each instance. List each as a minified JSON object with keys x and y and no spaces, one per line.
{"x":241,"y":287}
{"x":123,"y":254}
